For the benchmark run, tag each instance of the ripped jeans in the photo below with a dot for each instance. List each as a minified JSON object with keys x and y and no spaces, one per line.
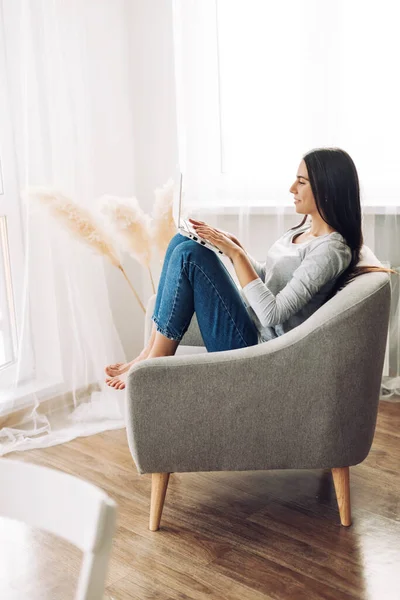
{"x":195,"y":280}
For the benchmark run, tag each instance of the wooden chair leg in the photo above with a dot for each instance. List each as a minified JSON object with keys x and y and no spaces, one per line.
{"x":159,"y":484}
{"x":341,"y":480}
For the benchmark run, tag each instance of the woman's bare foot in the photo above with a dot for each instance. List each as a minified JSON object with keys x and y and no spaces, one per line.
{"x":116,"y":381}
{"x":118,"y":368}
{"x":115,"y":371}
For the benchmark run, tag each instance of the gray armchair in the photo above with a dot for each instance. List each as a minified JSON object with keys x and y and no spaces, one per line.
{"x":305,"y":400}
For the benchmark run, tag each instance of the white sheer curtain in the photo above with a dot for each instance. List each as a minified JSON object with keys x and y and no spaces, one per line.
{"x":258,"y":85}
{"x":67,"y":124}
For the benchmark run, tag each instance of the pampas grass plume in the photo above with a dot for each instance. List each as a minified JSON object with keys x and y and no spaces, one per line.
{"x":79,"y":222}
{"x":76,"y":219}
{"x":163,"y":226}
{"x":132,"y":226}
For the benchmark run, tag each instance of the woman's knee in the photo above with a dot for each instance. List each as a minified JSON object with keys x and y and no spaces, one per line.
{"x":194,"y":252}
{"x":174,"y":242}
{"x":176,"y":239}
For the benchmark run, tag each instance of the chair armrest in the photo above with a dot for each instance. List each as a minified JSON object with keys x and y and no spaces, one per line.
{"x":307,"y":399}
{"x":192,"y":336}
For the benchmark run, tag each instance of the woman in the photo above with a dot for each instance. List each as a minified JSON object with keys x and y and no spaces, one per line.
{"x":303,"y":270}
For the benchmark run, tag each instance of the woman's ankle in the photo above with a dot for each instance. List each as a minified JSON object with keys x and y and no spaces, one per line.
{"x":145,"y":352}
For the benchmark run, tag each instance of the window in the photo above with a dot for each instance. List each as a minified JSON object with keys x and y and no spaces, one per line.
{"x":259,"y":83}
{"x":15,"y":364}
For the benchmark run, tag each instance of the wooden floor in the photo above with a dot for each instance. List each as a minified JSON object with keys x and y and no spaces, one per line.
{"x":225,"y":536}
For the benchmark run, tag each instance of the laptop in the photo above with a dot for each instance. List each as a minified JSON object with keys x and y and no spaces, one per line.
{"x":187,"y":229}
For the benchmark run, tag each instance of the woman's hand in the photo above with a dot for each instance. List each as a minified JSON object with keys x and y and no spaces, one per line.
{"x":231,"y":247}
{"x":217,"y":237}
{"x":230,"y":236}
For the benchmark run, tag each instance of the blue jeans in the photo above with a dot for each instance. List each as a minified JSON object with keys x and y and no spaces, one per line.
{"x":193,"y":279}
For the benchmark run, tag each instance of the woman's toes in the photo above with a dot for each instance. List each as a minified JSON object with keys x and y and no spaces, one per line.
{"x":115,"y":382}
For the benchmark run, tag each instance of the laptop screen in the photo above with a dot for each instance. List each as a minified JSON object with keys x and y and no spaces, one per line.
{"x":177,"y":203}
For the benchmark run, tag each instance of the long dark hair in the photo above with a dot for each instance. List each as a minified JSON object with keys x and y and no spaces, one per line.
{"x":336,"y":189}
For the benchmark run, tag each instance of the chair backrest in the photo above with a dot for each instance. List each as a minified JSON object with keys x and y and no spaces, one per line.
{"x":367,"y":257}
{"x":66,"y":506}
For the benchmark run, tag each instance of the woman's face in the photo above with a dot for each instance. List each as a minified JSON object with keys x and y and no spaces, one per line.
{"x":301,"y":188}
